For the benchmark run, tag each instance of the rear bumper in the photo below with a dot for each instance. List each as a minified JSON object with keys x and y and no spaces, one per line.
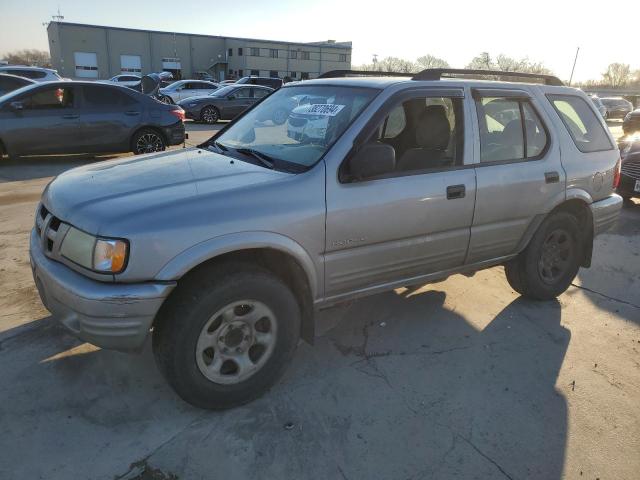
{"x":108,"y":315}
{"x":605,"y":213}
{"x":175,"y":134}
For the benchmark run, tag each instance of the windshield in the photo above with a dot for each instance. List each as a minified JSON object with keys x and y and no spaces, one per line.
{"x":298,"y":124}
{"x":221,"y":92}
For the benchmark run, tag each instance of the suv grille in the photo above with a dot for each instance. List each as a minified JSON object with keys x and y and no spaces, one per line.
{"x":631,"y":168}
{"x":47,"y":227}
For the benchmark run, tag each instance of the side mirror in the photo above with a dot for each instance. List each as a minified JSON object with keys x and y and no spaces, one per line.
{"x":371,"y":160}
{"x":231,"y":97}
{"x":16,"y":106}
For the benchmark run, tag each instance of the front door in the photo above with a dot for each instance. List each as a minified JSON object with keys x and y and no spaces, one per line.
{"x":416,"y":219}
{"x":240,"y":100}
{"x":519,"y":172}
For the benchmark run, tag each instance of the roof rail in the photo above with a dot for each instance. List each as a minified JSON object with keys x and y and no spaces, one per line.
{"x":362,"y":73}
{"x":438,"y":73}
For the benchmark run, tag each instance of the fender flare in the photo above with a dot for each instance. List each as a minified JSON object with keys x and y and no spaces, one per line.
{"x":234,"y":242}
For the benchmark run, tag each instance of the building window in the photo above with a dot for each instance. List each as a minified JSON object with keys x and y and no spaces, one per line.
{"x":240,"y":52}
{"x":240,"y":73}
{"x":293,"y":54}
{"x":255,"y":72}
{"x":293,"y":74}
{"x":304,"y":75}
{"x":230,"y":71}
{"x":342,"y":57}
{"x":230,"y":52}
{"x":255,"y":52}
{"x":273,"y":74}
{"x":306,"y":56}
{"x":273,"y":53}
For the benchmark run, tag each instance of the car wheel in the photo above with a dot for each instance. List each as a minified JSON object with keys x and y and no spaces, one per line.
{"x":226,"y":335}
{"x":166,"y":99}
{"x":280,"y":116}
{"x":147,"y":141}
{"x":546,"y":268}
{"x":210,"y":115}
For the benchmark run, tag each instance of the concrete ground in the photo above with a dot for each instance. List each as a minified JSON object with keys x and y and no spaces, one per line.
{"x":458,"y":379}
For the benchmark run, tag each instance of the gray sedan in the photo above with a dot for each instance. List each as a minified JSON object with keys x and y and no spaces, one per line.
{"x":224,"y":104}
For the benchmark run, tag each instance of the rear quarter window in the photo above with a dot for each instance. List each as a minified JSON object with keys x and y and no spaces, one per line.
{"x":581,"y":121}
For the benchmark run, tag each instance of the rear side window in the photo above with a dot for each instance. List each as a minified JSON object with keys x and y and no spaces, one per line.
{"x":33,"y":74}
{"x":105,"y":97}
{"x":582,"y":123}
{"x":510,"y":129}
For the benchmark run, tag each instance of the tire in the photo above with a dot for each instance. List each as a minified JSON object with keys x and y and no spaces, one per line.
{"x":209,"y":115}
{"x":147,"y":140}
{"x":546,"y":268}
{"x":166,"y":99}
{"x":216,"y":299}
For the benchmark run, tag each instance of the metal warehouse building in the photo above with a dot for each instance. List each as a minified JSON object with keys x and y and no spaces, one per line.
{"x":93,"y":51}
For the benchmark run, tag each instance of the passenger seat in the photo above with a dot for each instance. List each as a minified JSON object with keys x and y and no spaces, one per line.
{"x":432,"y":135}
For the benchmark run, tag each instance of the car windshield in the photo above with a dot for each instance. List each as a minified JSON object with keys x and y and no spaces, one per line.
{"x":296,"y":125}
{"x":221,"y":92}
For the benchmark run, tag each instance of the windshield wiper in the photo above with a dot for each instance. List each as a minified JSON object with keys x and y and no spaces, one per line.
{"x":219,"y":146}
{"x":263,"y":158}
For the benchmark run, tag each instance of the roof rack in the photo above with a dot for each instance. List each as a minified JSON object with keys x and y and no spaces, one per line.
{"x":362,"y":73}
{"x":438,"y":73}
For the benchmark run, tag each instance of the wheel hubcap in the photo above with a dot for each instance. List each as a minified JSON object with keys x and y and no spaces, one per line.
{"x":209,"y":115}
{"x":236,"y":342}
{"x":556,"y":255}
{"x":149,"y":142}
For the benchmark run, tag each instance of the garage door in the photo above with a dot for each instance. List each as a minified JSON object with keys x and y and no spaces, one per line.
{"x":86,"y":64}
{"x":130,"y":64}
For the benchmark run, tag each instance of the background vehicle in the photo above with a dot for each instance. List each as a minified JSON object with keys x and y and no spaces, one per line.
{"x":223,"y":104}
{"x":37,"y":74}
{"x":227,"y":250}
{"x":617,"y":107}
{"x":182,"y":89}
{"x":270,"y":82}
{"x":599,"y":105}
{"x":630,"y":171}
{"x":631,"y":122}
{"x":9,"y":83}
{"x":206,"y":76}
{"x":86,"y":117}
{"x":126,"y":79}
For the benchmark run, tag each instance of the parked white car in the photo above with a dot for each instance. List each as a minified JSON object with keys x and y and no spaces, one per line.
{"x":182,"y":89}
{"x":37,"y":74}
{"x":126,"y":80}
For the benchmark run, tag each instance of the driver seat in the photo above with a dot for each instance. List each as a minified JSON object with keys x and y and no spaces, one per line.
{"x":432,"y":135}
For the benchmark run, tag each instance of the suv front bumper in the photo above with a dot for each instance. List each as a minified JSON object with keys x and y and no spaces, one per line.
{"x":605,"y":213}
{"x":115,"y":316}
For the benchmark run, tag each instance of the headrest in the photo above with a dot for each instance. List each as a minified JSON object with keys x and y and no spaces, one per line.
{"x":433,"y":130}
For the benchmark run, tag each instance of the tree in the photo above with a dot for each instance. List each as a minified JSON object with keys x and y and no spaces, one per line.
{"x":617,"y":75}
{"x":430,"y":61}
{"x":31,"y":57}
{"x":481,"y":62}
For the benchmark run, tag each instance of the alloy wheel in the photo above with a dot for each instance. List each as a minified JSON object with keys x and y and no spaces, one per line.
{"x":149,"y":142}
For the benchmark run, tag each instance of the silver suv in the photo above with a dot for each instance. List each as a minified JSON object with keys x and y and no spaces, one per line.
{"x":223,"y":253}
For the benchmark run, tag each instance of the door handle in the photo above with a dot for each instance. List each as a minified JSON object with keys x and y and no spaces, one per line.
{"x":551,"y":177}
{"x":70,"y":116}
{"x":455,"y":191}
{"x":132,"y":113}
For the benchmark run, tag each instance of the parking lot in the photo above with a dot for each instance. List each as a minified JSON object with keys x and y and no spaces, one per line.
{"x":457,"y":379}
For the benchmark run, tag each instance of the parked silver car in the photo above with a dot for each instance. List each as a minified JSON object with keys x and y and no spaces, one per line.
{"x":225,"y":251}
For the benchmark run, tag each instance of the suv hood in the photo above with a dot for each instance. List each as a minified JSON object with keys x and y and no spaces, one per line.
{"x":99,"y":197}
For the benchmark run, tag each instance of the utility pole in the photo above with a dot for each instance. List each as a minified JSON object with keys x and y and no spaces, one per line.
{"x":575,"y":60}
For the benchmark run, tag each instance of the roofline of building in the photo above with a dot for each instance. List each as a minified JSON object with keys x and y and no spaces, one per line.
{"x":337,"y":45}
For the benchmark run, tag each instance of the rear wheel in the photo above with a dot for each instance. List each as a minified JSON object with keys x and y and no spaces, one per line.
{"x":548,"y":265}
{"x":147,"y":141}
{"x":227,"y":334}
{"x":166,"y":99}
{"x":210,"y":115}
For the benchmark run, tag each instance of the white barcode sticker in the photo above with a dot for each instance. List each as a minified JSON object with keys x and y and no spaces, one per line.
{"x":323,"y":109}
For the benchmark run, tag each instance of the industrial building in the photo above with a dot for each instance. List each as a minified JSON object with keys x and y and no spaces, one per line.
{"x":100,"y":52}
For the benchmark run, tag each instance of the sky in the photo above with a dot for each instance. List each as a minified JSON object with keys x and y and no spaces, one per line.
{"x":548,"y":31}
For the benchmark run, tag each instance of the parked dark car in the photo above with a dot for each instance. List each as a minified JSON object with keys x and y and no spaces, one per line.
{"x":631,"y":123}
{"x":271,"y":82}
{"x":617,"y":107}
{"x":630,"y":169}
{"x":224,"y":104}
{"x":9,"y":83}
{"x":86,"y":117}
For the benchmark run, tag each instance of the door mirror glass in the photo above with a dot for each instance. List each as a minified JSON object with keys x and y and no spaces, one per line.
{"x":231,"y":97}
{"x":372,"y":160}
{"x":16,"y":106}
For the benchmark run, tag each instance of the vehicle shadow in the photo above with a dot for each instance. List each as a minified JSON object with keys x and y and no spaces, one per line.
{"x":34,"y":167}
{"x":402,"y":387}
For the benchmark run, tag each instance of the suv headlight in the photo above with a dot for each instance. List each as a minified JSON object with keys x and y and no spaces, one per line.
{"x":103,"y":255}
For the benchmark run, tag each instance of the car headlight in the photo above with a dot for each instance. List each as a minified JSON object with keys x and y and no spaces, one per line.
{"x":103,"y":255}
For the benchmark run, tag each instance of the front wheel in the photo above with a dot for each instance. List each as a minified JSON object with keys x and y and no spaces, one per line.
{"x":546,"y":268}
{"x":147,"y":141}
{"x":166,"y":99}
{"x":210,"y":115}
{"x":226,"y":336}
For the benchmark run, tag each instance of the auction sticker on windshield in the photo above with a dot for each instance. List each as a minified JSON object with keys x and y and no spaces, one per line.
{"x":324,"y":109}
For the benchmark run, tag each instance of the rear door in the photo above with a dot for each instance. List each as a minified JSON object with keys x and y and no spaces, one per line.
{"x":108,"y":118}
{"x":48,"y":123}
{"x":518,"y":171}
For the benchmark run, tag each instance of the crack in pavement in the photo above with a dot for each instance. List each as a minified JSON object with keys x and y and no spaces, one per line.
{"x":487,"y":457}
{"x":608,"y":297}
